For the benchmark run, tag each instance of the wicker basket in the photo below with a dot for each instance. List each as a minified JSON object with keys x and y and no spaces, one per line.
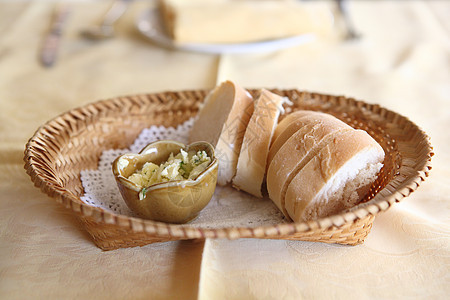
{"x":73,"y":141}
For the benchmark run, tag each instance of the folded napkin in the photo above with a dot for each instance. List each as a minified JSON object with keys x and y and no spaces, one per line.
{"x":238,"y":21}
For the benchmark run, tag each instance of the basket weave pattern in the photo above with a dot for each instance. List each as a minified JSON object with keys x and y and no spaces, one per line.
{"x":74,"y":141}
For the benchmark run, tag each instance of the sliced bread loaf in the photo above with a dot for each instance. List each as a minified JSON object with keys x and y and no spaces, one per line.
{"x":336,"y":178}
{"x":252,"y":161}
{"x":222,"y":121}
{"x":316,"y":131}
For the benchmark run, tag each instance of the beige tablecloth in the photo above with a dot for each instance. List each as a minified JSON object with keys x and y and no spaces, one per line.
{"x":402,"y":62}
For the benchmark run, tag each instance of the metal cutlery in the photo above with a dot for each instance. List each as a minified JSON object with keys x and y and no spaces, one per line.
{"x":106,"y":27}
{"x":351,"y":33}
{"x":52,"y":40}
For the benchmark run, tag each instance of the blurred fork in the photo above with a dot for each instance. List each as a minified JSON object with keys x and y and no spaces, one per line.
{"x":106,"y":28}
{"x":351,"y":33}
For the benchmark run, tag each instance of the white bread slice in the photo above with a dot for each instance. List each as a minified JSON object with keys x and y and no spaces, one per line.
{"x":336,"y":178}
{"x":289,"y":126}
{"x":251,"y":165}
{"x":222,"y":121}
{"x":296,"y":152}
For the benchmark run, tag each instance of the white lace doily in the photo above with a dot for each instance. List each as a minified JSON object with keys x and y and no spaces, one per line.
{"x":228,"y":207}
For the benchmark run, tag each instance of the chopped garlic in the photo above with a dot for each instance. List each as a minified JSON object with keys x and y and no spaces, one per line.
{"x":185,"y":165}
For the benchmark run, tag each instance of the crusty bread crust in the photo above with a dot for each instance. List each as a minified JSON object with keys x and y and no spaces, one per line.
{"x":286,"y":120}
{"x":252,"y":161}
{"x":307,"y":196}
{"x":296,"y":152}
{"x":222,"y":121}
{"x":290,"y":125}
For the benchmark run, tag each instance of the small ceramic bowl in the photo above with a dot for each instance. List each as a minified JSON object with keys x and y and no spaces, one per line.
{"x":177,"y":201}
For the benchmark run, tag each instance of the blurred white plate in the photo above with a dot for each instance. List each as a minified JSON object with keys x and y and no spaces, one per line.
{"x":150,"y":25}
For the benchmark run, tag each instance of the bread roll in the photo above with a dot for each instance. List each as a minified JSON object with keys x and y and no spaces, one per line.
{"x":336,"y":178}
{"x":251,"y":165}
{"x":222,"y":121}
{"x":316,"y":132}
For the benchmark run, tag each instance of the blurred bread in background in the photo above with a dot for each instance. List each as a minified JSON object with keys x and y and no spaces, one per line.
{"x":239,"y":21}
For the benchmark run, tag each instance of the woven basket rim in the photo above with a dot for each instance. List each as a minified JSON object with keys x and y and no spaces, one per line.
{"x":186,"y":231}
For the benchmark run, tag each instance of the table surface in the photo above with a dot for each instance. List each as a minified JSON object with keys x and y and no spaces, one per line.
{"x":402,"y":62}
